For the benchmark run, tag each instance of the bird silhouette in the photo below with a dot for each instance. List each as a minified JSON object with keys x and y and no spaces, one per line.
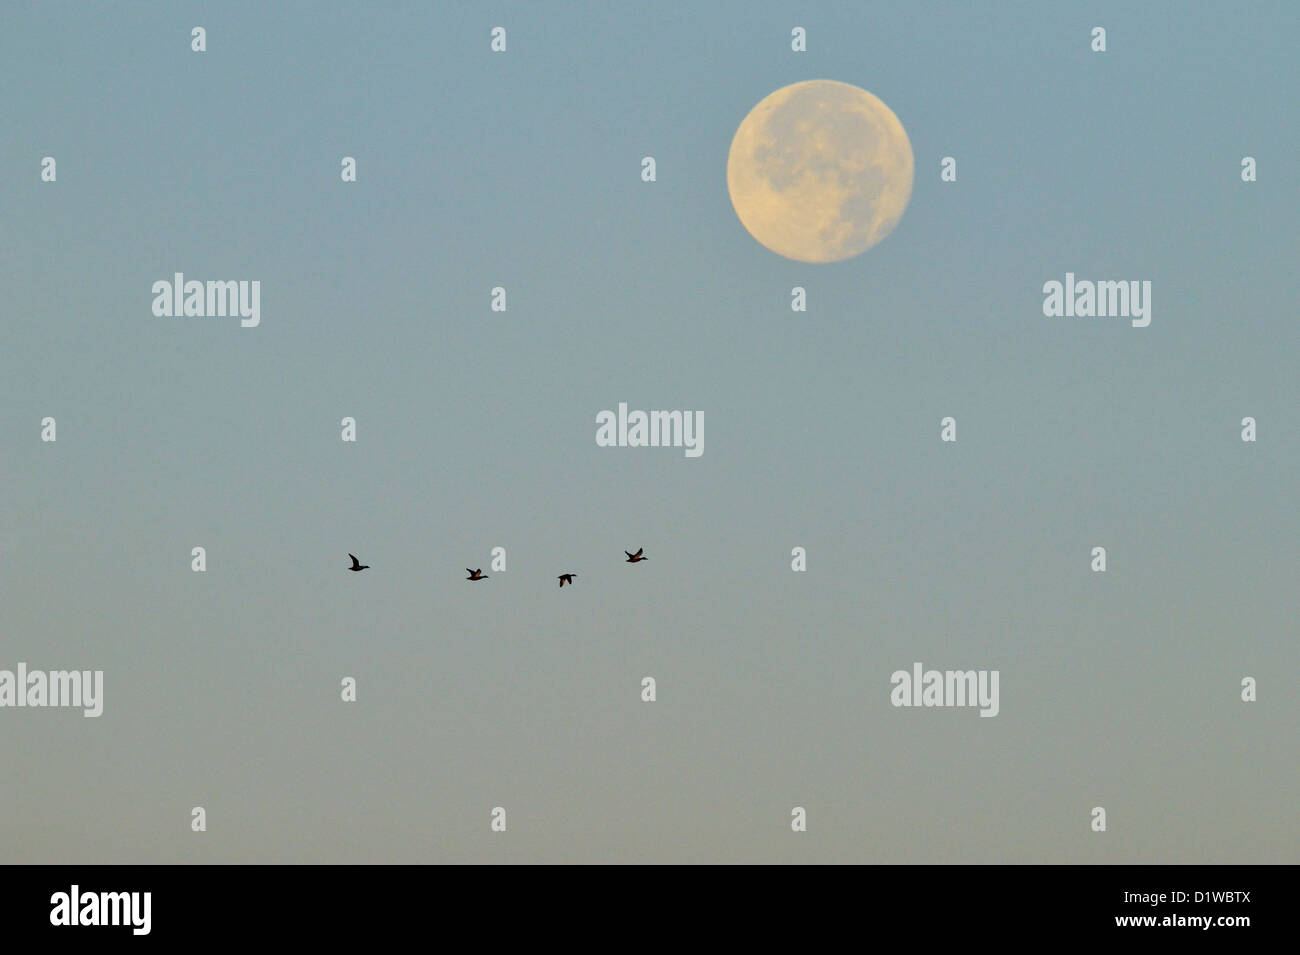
{"x":568,"y":578}
{"x":633,"y":558}
{"x":475,"y":574}
{"x":357,"y":565}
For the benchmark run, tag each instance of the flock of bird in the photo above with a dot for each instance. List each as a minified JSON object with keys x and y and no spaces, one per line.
{"x":479,"y":575}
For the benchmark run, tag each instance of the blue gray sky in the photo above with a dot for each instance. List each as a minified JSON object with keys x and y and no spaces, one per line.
{"x":476,"y":429}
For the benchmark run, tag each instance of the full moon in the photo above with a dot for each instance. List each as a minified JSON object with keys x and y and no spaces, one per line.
{"x":820,"y":171}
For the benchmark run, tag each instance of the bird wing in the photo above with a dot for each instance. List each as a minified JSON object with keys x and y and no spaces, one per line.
{"x":355,"y":562}
{"x":468,"y":571}
{"x":638,"y":552}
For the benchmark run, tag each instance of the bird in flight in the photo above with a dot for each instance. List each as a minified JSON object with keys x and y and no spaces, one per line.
{"x":568,"y":578}
{"x":633,"y":558}
{"x":475,"y":574}
{"x":357,"y":565}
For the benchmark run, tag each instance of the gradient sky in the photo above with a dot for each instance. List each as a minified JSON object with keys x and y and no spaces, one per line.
{"x":476,"y":429}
